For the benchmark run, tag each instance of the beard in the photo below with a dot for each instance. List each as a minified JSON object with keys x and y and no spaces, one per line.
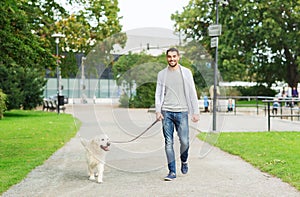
{"x":172,"y":65}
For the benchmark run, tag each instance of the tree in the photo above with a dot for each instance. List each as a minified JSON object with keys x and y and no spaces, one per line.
{"x":27,"y":47}
{"x":22,"y":58}
{"x":97,"y":21}
{"x":141,"y":70}
{"x":260,"y":40}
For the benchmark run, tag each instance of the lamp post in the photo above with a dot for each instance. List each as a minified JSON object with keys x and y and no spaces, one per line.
{"x":57,"y":36}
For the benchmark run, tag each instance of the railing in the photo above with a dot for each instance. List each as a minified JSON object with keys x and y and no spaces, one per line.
{"x":292,"y":102}
{"x":223,"y":100}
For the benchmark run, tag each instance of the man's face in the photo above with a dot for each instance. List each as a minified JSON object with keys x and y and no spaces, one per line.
{"x":172,"y":58}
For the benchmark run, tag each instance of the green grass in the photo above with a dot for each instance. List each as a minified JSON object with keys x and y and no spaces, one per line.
{"x":251,"y":103}
{"x":276,"y":153}
{"x":27,"y":139}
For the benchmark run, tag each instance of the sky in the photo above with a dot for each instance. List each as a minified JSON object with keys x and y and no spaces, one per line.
{"x":149,"y":13}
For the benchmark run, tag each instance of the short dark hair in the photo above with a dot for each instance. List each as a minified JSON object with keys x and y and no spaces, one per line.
{"x":172,"y":50}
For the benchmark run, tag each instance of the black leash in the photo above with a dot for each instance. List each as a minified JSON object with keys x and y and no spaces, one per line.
{"x":119,"y":142}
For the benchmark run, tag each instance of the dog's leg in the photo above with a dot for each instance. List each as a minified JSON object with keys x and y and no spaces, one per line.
{"x":100,"y":168}
{"x":91,"y":173}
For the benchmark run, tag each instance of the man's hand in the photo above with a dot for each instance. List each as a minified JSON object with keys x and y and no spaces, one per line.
{"x":159,"y":116}
{"x":195,"y":117}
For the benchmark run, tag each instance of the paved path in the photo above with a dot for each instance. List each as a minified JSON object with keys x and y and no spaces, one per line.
{"x":138,"y":168}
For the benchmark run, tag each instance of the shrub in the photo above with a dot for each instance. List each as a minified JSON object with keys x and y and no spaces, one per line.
{"x":259,"y":90}
{"x":232,"y":91}
{"x":2,"y":103}
{"x":145,"y":96}
{"x":124,"y":100}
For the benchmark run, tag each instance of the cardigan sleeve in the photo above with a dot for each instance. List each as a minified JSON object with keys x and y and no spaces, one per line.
{"x":159,"y":97}
{"x":191,"y":93}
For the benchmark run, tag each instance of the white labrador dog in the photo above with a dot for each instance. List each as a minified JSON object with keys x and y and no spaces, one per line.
{"x":96,"y":150}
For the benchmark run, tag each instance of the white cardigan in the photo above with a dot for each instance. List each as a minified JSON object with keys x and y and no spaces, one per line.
{"x":189,"y":90}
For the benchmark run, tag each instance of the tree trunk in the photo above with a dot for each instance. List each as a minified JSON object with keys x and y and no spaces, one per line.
{"x":292,"y":76}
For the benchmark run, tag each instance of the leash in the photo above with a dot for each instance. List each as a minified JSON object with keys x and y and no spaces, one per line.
{"x":198,"y":130}
{"x":135,"y":138}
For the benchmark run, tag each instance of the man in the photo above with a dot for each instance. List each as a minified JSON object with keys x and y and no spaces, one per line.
{"x":175,"y":98}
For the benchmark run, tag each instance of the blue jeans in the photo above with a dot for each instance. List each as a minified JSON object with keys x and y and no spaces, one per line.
{"x":180,"y":121}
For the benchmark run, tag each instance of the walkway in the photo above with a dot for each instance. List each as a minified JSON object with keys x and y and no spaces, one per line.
{"x":138,"y":168}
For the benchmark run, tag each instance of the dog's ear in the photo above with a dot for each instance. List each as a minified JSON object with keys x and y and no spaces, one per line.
{"x":84,"y":142}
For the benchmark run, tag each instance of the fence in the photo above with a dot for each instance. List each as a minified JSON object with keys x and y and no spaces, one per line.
{"x":293,"y":109}
{"x":89,"y":88}
{"x":222,"y":103}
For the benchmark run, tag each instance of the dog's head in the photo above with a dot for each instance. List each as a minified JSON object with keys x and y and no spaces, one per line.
{"x":101,"y":141}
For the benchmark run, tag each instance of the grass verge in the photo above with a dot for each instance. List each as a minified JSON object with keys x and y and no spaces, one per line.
{"x":251,"y":103}
{"x":276,"y":153}
{"x":28,"y":138}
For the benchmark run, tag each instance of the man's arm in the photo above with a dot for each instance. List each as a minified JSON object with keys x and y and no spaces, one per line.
{"x":159,"y":116}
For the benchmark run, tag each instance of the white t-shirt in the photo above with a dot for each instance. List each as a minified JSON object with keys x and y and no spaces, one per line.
{"x":175,"y":99}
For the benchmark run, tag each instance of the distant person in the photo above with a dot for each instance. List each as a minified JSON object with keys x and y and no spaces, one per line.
{"x":211,"y":91}
{"x":289,"y":92}
{"x":206,"y":104}
{"x":230,"y":105}
{"x":175,"y":98}
{"x":276,"y":105}
{"x":289,"y":103}
{"x":295,"y":94}
{"x":283,"y":92}
{"x":284,"y":97}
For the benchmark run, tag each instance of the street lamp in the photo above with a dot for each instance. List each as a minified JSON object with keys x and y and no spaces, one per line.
{"x":57,"y":36}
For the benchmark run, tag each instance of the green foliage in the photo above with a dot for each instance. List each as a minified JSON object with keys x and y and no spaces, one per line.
{"x":232,"y":91}
{"x":145,"y":96}
{"x":23,"y":86}
{"x":3,"y":108}
{"x":68,"y":66}
{"x":141,"y":70}
{"x":196,"y":58}
{"x":259,"y":42}
{"x":23,"y":57}
{"x":273,"y":152}
{"x":96,"y":21}
{"x":256,"y":91}
{"x":27,"y":139}
{"x":124,"y":100}
{"x":27,"y":46}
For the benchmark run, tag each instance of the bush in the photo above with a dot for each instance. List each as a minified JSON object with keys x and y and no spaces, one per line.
{"x":145,"y":96}
{"x":2,"y":103}
{"x":259,"y":90}
{"x":124,"y":100}
{"x":232,"y":91}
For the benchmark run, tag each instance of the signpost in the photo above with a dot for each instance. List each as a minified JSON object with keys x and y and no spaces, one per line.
{"x":214,"y":42}
{"x":214,"y":30}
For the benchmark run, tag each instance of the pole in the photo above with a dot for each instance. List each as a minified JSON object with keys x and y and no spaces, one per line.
{"x":57,"y":75}
{"x":269,"y":124}
{"x":57,"y":36}
{"x":215,"y":74}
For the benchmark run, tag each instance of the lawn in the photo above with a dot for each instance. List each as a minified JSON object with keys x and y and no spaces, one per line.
{"x":251,"y":103}
{"x":276,"y":153}
{"x":28,"y":138}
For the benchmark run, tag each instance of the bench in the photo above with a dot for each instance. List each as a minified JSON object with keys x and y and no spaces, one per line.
{"x":50,"y":105}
